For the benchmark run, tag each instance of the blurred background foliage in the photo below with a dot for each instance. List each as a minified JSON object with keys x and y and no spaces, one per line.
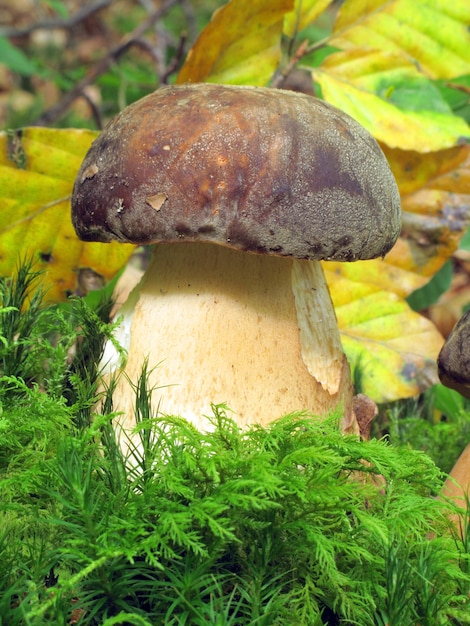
{"x":48,"y":46}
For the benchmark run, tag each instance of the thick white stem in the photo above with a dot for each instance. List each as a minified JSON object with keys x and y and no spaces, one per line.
{"x":257,"y":333}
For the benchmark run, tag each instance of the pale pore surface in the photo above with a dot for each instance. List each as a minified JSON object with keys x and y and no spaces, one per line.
{"x":220,"y":326}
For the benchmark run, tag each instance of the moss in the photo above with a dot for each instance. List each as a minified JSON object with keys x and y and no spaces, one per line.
{"x":289,"y":524}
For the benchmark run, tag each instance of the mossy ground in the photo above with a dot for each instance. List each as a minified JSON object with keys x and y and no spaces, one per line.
{"x":291,"y":524}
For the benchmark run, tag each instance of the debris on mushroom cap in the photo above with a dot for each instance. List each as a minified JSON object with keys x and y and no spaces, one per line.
{"x":251,"y":168}
{"x":454,"y":359}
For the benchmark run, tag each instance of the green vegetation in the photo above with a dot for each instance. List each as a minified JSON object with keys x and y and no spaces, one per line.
{"x":435,"y":422}
{"x":292,"y":524}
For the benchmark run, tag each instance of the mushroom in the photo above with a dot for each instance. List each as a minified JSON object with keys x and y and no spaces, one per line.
{"x":453,"y":364}
{"x":244,"y":190}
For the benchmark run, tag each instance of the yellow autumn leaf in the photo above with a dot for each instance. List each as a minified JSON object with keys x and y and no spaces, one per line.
{"x":240,"y":45}
{"x":394,"y":348}
{"x":435,"y":191}
{"x":37,"y":170}
{"x":353,"y":80}
{"x":304,"y":13}
{"x":433,"y":34}
{"x":435,"y":196}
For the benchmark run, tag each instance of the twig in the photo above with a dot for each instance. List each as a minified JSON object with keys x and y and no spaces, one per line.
{"x":458,"y":87}
{"x":282,"y":75}
{"x":94,"y":109}
{"x":149,"y":49}
{"x":102,"y":66}
{"x":68,"y":23}
{"x":176,"y":59}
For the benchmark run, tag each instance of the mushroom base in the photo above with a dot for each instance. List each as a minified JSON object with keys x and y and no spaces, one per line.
{"x":457,"y":487}
{"x":256,"y":333}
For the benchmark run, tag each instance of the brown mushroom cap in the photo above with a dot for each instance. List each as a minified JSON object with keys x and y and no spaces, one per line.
{"x":251,"y":168}
{"x":454,"y":359}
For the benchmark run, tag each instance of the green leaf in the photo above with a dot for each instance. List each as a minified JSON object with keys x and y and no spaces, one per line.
{"x":59,"y":6}
{"x":457,"y":95}
{"x":430,"y":293}
{"x":15,"y":59}
{"x":450,"y":402}
{"x":465,"y":241}
{"x":126,"y":618}
{"x":414,"y":94}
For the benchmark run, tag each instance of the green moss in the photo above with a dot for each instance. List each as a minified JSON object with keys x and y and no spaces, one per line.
{"x":290,"y":524}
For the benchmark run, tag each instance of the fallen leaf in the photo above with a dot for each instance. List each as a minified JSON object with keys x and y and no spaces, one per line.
{"x":361,"y":83}
{"x":435,"y":192}
{"x":37,"y":170}
{"x":433,"y":34}
{"x":435,"y":197}
{"x":304,"y":13}
{"x":240,"y":45}
{"x":393,"y":348}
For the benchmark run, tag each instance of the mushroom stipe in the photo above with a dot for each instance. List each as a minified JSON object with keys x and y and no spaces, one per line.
{"x":454,"y":371}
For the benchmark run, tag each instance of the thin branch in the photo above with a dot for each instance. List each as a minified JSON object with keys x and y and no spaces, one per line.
{"x":176,"y":60}
{"x":458,"y":87}
{"x":73,"y":20}
{"x":147,"y":47}
{"x":102,"y":66}
{"x":284,"y":73}
{"x":93,"y":108}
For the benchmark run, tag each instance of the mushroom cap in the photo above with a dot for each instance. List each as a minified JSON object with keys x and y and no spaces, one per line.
{"x":257,"y":169}
{"x":453,"y":362}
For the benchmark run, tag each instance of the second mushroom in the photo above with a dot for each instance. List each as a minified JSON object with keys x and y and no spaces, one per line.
{"x":243,"y":191}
